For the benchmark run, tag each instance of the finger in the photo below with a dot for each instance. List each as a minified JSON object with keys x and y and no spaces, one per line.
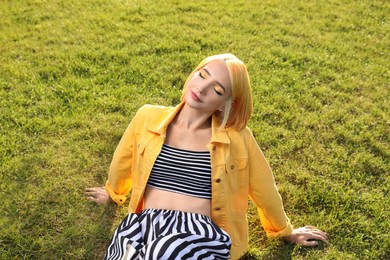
{"x":90,"y":189}
{"x":318,"y":238}
{"x":319,"y":233}
{"x":89,"y":193}
{"x":310,"y":243}
{"x":94,"y":188}
{"x":309,"y":227}
{"x":312,"y":228}
{"x":323,"y":234}
{"x":324,"y":239}
{"x":91,"y":198}
{"x":315,"y":230}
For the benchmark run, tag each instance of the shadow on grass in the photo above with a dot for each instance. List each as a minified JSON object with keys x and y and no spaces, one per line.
{"x":105,"y":222}
{"x":282,"y":251}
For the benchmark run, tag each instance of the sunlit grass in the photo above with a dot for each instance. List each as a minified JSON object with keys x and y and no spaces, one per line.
{"x":73,"y":73}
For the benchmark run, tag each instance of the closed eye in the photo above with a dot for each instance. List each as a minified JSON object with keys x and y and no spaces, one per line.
{"x":201,"y":75}
{"x":220,"y":91}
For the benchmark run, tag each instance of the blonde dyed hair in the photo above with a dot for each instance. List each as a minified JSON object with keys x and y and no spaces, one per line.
{"x":238,"y":108}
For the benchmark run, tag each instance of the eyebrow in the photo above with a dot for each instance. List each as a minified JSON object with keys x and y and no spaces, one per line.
{"x":208,"y":72}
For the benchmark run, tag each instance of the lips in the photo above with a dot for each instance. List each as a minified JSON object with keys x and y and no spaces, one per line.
{"x":195,"y":97}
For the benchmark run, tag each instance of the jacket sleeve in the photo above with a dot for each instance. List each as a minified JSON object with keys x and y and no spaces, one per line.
{"x":264,"y":193}
{"x":119,"y":181}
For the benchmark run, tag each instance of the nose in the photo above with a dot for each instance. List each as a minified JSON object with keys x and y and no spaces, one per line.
{"x":202,"y":88}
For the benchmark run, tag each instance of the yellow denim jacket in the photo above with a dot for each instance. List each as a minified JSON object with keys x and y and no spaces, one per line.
{"x":238,"y":170}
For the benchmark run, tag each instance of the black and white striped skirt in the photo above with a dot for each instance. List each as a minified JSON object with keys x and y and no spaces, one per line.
{"x":167,"y":234}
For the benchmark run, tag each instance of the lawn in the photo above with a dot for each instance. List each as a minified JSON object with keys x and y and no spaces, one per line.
{"x":73,"y":73}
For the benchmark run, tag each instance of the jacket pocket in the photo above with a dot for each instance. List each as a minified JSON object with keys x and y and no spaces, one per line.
{"x":236,"y":170}
{"x":236,"y":165}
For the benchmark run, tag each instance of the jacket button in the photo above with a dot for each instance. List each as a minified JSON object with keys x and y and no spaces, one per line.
{"x":232,"y":167}
{"x":214,"y":148}
{"x":218,"y":180}
{"x":217,"y":208}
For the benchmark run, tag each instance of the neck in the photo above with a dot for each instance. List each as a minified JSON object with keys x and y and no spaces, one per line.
{"x":193,"y":119}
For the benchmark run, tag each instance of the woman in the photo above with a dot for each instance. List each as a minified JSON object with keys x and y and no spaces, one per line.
{"x":190,"y":170}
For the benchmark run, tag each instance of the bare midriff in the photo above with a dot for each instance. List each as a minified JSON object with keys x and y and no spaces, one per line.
{"x":160,"y":199}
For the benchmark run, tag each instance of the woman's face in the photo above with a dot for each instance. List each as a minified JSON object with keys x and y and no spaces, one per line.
{"x":209,"y":88}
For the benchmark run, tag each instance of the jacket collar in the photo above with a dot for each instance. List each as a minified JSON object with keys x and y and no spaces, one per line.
{"x":159,"y":125}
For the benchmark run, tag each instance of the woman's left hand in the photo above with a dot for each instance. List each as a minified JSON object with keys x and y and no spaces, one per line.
{"x":98,"y":195}
{"x":307,"y":236}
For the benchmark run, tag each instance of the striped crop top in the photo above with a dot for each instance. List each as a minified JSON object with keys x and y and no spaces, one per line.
{"x":182,"y":171}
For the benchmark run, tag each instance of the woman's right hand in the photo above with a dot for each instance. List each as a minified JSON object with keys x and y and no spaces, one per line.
{"x":307,"y":236}
{"x":98,"y":195}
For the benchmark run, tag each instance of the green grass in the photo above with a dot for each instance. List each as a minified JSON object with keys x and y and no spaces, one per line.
{"x":73,"y":73}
